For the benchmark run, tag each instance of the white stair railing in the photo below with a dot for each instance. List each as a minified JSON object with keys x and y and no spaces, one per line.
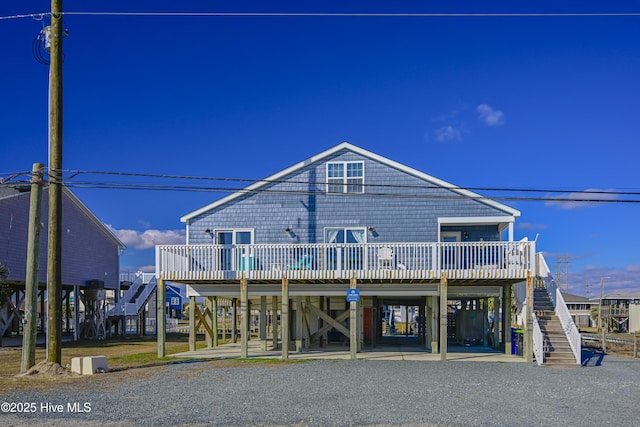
{"x":538,"y":341}
{"x":119,"y":307}
{"x":568,"y":325}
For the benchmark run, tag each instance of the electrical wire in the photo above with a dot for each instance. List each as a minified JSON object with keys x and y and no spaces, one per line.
{"x":332,"y":14}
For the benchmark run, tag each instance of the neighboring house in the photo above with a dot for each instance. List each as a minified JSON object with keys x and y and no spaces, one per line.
{"x":621,"y":311}
{"x":581,"y":309}
{"x":90,"y":259}
{"x":349,"y":218}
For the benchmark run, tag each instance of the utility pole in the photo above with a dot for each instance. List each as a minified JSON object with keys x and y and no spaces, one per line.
{"x":54,"y":262}
{"x":31,"y":284}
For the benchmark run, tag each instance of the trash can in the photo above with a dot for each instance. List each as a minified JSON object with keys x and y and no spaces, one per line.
{"x":517,"y":341}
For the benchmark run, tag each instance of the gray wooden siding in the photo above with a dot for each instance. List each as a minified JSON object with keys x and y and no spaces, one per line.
{"x":307,"y":209}
{"x":87,"y":252}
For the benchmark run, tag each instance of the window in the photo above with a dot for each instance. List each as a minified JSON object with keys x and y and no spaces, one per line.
{"x":345,"y":177}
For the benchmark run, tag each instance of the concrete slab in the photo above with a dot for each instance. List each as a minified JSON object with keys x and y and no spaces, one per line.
{"x":232,"y":351}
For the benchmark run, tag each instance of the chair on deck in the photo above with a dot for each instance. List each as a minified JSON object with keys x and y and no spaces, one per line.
{"x":305,"y":262}
{"x":385,"y":258}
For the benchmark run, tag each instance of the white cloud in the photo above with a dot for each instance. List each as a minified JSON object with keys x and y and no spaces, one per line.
{"x":582,"y":199}
{"x":149,"y":238}
{"x":531,"y":226}
{"x":448,"y":133}
{"x":489,"y":116}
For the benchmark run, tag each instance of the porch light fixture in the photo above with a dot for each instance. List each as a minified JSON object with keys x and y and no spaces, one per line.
{"x":466,"y":234}
{"x":209,"y":232}
{"x":371,"y":230}
{"x":290,"y":232}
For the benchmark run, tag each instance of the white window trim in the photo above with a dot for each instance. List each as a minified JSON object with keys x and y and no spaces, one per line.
{"x":324,"y":232}
{"x":345,"y":185}
{"x":234,"y":231}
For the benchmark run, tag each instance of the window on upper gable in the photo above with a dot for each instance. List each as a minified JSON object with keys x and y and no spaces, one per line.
{"x":345,"y":177}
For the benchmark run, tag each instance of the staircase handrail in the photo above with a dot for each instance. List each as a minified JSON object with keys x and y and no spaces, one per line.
{"x":568,"y":325}
{"x":143,"y":298}
{"x":538,"y":341}
{"x":118,"y":309}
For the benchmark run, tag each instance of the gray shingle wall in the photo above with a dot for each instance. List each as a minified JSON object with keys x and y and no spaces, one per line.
{"x":398,"y":214}
{"x":87,"y":252}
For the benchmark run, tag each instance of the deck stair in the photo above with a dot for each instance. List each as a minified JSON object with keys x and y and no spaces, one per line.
{"x":556,"y":347}
{"x":136,"y":297}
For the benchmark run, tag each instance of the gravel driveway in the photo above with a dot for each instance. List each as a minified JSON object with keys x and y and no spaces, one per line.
{"x":341,"y":393}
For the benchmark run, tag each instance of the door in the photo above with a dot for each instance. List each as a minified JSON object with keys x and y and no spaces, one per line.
{"x":345,"y":257}
{"x":450,"y":252}
{"x":232,"y":253}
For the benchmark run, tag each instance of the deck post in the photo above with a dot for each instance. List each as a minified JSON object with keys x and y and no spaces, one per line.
{"x":298,"y":324}
{"x":353,"y":321}
{"x":443,"y":316}
{"x":284,"y":318}
{"x":244,"y":319}
{"x":214,"y":320}
{"x":506,"y":319}
{"x":161,"y":330}
{"x":274,"y":321}
{"x":528,"y":332}
{"x":435,"y":325}
{"x":209,"y":305}
{"x":263,"y":323}
{"x":192,"y":323}
{"x":234,"y":320}
{"x":496,"y":322}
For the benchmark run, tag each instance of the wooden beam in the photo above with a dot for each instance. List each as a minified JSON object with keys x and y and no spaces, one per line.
{"x":331,"y":322}
{"x":506,"y":320}
{"x":161,"y":330}
{"x":263,"y":323}
{"x":274,"y":321}
{"x":192,"y":323}
{"x":214,"y":320}
{"x":298,"y":337}
{"x":528,"y":332}
{"x":443,"y":317}
{"x":284,"y":317}
{"x":203,"y":320}
{"x":244,"y":318}
{"x":353,"y":322}
{"x":209,"y":320}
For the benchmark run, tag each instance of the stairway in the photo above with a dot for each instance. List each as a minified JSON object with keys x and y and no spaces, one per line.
{"x":557,"y":350}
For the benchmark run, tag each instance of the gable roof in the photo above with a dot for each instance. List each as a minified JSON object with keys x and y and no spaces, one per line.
{"x":25,"y":191}
{"x":350,"y":147}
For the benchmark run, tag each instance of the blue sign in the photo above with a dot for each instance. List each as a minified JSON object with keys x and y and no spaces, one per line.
{"x":353,"y":295}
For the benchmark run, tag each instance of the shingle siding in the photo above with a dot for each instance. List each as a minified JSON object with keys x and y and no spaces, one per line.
{"x":87,"y":252}
{"x":300,"y":201}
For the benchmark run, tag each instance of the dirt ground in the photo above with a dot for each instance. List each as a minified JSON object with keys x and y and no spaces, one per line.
{"x":122,"y":354}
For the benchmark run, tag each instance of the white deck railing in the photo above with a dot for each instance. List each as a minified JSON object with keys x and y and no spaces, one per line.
{"x":472,"y":260}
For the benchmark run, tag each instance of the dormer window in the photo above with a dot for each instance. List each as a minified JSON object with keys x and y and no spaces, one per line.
{"x":345,"y":177}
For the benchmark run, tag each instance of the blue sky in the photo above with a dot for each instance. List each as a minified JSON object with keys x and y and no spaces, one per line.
{"x":547,"y":103}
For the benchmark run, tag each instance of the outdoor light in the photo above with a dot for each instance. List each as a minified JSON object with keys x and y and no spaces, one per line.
{"x":466,"y":235}
{"x":290,"y":232}
{"x":209,"y":232}
{"x":371,"y":229}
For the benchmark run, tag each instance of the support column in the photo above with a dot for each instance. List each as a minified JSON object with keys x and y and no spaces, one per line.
{"x":528,"y":332}
{"x":224,"y":322}
{"x":435,"y":325}
{"x":161,"y":330}
{"x":443,"y":317}
{"x":208,"y":319}
{"x":506,"y":320}
{"x":496,"y":322}
{"x":76,"y":313}
{"x":192,"y":323}
{"x":353,"y":322}
{"x":263,"y":323}
{"x":421,"y":323}
{"x":214,"y":321}
{"x":274,"y":322}
{"x":234,"y":320}
{"x":284,"y":318}
{"x":244,"y":319}
{"x":298,"y":337}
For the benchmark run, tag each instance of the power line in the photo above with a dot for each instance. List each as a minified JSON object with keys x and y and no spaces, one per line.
{"x":575,"y":196}
{"x":332,"y":15}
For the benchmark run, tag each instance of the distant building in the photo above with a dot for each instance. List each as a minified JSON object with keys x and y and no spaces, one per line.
{"x":90,"y":261}
{"x":580,"y":309}
{"x":621,"y":311}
